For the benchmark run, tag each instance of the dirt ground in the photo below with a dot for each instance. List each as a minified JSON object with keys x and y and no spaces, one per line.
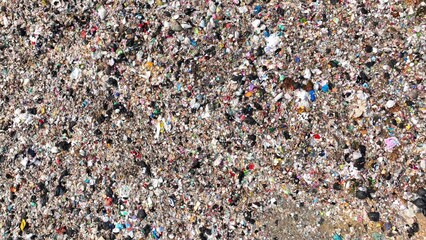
{"x":293,"y":222}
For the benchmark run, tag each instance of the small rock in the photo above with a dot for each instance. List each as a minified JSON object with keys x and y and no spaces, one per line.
{"x":188,"y":11}
{"x":369,"y":48}
{"x":374,"y":216}
{"x":141,"y":214}
{"x":64,"y":145}
{"x":307,"y":74}
{"x":423,"y":164}
{"x":24,"y":162}
{"x":186,"y":26}
{"x":390,"y":104}
{"x":31,"y":152}
{"x":361,"y":194}
{"x":75,"y":74}
{"x":101,"y":12}
{"x":356,"y":155}
{"x":420,"y":203}
{"x":421,"y":192}
{"x":26,"y":81}
{"x":54,"y":150}
{"x":255,"y":23}
{"x":32,"y":111}
{"x":60,"y":190}
{"x":337,"y":186}
{"x":175,"y":26}
{"x":112,"y":82}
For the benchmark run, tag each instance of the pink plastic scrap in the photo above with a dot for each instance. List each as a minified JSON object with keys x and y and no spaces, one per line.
{"x":391,"y":143}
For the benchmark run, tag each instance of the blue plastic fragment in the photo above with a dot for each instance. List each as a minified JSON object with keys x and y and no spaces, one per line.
{"x":312,"y":95}
{"x":257,"y":9}
{"x":337,"y":237}
{"x":325,"y":88}
{"x":266,"y":33}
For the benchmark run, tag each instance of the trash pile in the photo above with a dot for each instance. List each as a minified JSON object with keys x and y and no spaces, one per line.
{"x":162,"y":119}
